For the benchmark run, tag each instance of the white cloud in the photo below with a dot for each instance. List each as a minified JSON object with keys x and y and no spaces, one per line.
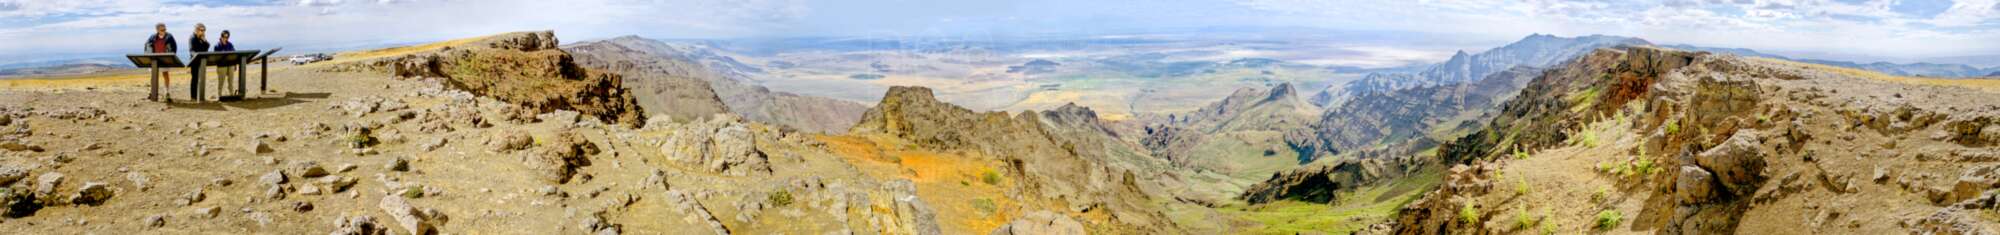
{"x":1829,"y":26}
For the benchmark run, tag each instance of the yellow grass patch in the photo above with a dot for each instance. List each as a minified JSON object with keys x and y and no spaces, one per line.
{"x":1988,"y":85}
{"x":1108,"y":105}
{"x":345,"y":57}
{"x":951,"y":183}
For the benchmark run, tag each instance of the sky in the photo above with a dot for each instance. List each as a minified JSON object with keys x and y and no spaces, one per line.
{"x":1894,"y":30}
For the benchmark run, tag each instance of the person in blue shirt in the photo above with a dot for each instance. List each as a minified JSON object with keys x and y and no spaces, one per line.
{"x":221,"y":45}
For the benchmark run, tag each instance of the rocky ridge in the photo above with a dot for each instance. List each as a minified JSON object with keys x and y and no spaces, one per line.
{"x":1726,"y":144}
{"x":524,"y":68}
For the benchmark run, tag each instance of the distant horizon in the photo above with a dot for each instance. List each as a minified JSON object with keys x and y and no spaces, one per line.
{"x":1863,"y":32}
{"x":1442,"y":53}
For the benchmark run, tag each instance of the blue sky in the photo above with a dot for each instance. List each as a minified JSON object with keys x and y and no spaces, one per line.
{"x":1886,"y":29}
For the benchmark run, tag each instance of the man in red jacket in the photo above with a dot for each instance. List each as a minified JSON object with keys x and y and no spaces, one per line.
{"x":162,"y":42}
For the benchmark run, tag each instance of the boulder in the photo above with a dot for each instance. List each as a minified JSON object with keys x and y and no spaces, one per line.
{"x":1974,"y":181}
{"x":358,"y":225}
{"x":258,"y":146}
{"x":723,"y":145}
{"x":413,"y":221}
{"x":9,"y":175}
{"x":1041,"y":223}
{"x":561,"y":156}
{"x":15,"y":203}
{"x":513,"y":141}
{"x":1738,"y":162}
{"x":397,"y":164}
{"x":311,"y":169}
{"x":154,"y":221}
{"x":274,"y":178}
{"x":92,"y":193}
{"x":46,"y":185}
{"x":1694,"y":186}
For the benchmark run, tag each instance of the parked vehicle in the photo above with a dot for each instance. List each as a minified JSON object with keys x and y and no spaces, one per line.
{"x":310,"y":58}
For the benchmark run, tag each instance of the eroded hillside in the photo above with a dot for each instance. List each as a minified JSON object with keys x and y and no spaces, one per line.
{"x":1660,"y":140}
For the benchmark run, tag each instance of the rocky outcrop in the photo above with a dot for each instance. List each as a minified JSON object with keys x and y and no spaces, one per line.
{"x":558,"y":158}
{"x":722,"y":145}
{"x":1041,"y":222}
{"x":1172,"y":143}
{"x":526,"y":69}
{"x":1320,"y":183}
{"x":1047,"y":163}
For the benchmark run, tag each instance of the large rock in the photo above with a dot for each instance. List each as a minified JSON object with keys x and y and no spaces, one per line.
{"x":92,"y":193}
{"x":358,"y":225}
{"x":723,"y":145}
{"x":1738,"y":162}
{"x":1041,"y":223}
{"x":526,"y":69}
{"x":559,"y":158}
{"x":9,"y":175}
{"x":1694,"y":185}
{"x":412,"y":220}
{"x":1974,"y":181}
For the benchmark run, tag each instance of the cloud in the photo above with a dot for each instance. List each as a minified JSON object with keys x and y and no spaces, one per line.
{"x":1907,"y":28}
{"x":112,"y":26}
{"x":1895,"y":28}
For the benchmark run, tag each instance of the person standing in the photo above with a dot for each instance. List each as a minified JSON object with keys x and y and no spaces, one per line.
{"x":222,"y":45}
{"x":162,"y":42}
{"x":197,"y":44}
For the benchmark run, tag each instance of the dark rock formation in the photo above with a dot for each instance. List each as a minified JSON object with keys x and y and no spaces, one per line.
{"x":526,"y":69}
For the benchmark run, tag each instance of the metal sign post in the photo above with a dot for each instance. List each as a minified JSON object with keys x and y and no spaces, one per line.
{"x":226,"y":58}
{"x":155,"y":61}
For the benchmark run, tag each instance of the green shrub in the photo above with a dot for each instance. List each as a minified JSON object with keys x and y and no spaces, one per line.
{"x":1521,"y":186}
{"x":1644,"y":166}
{"x":1548,"y":228}
{"x":1608,"y":219}
{"x":1600,"y":195}
{"x":990,"y":177}
{"x":1520,"y":154}
{"x":1589,"y":138}
{"x":1673,"y":127}
{"x":1522,"y":220}
{"x":985,"y":205}
{"x":1469,"y":213}
{"x":360,"y":140}
{"x":780,"y":198}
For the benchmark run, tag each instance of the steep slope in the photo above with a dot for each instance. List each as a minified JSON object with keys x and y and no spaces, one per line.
{"x":1538,"y":50}
{"x":1391,"y":117}
{"x":1276,"y":108}
{"x":1334,"y":96}
{"x":1234,"y":135}
{"x":523,"y":68}
{"x":1060,"y":168}
{"x":664,"y":87}
{"x":730,"y":81}
{"x":1691,"y":142}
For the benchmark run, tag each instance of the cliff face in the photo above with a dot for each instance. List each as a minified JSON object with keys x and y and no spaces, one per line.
{"x":526,"y":69}
{"x":1404,"y":114}
{"x":1690,"y":142}
{"x":665,"y":87}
